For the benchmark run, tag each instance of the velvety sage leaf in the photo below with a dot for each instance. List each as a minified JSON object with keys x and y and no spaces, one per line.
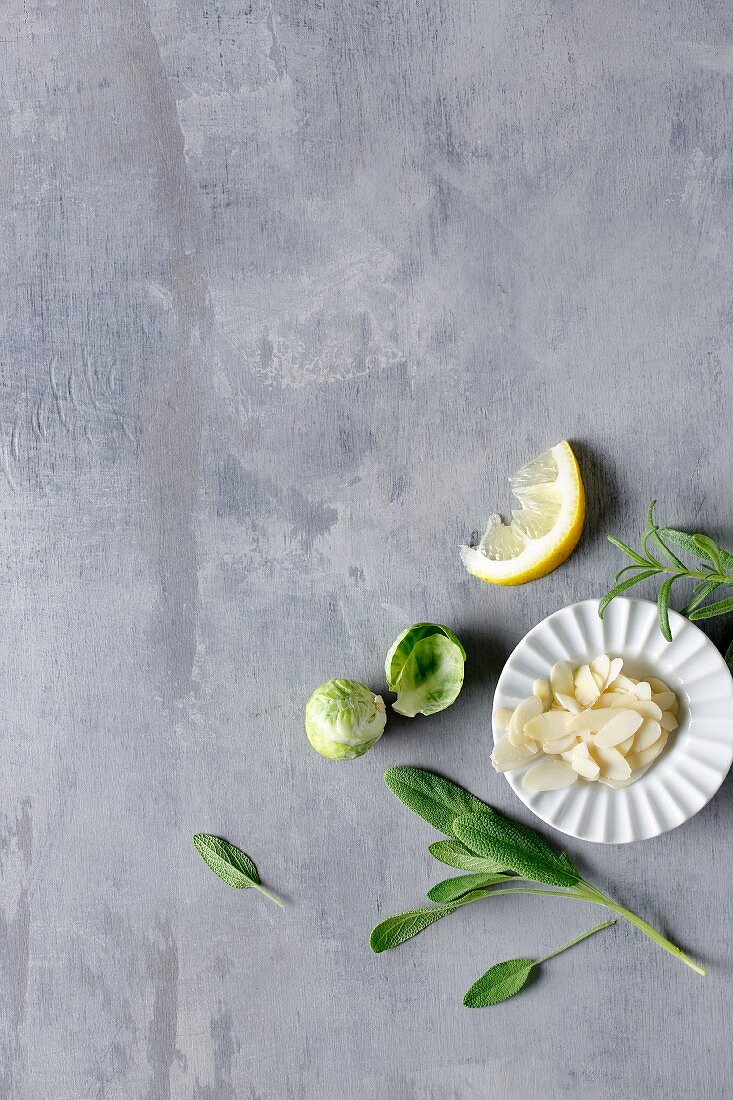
{"x":698,"y":546}
{"x":522,"y":849}
{"x":233,"y":866}
{"x":435,"y":799}
{"x":623,"y":586}
{"x":499,"y":983}
{"x":450,"y":889}
{"x":404,"y":644}
{"x":396,"y":930}
{"x":712,"y":610}
{"x":431,"y":677}
{"x":707,"y":546}
{"x":663,"y":606}
{"x":455,"y":854}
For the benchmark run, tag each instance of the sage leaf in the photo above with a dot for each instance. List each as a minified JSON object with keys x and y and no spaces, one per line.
{"x":396,"y":930}
{"x":450,"y":889}
{"x":507,"y":978}
{"x":230,"y":864}
{"x":499,"y":983}
{"x":697,"y":545}
{"x":454,"y":854}
{"x":496,"y":837}
{"x":432,"y":797}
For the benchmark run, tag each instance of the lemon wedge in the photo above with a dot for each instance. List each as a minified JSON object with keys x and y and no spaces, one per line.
{"x":543,"y":532}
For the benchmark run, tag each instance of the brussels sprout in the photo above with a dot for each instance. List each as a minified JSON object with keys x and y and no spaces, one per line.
{"x":425,"y":668}
{"x":344,"y":719}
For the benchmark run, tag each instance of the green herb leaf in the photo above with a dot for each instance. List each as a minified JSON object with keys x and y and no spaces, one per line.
{"x":396,"y":930}
{"x":722,"y":607}
{"x":706,"y":545}
{"x":505,"y":979}
{"x":631,"y":553}
{"x":697,"y":545}
{"x":455,"y":854}
{"x":496,"y":837}
{"x":432,"y":797}
{"x":499,"y":983}
{"x":450,"y":889}
{"x":663,"y":606}
{"x":701,"y":592}
{"x":233,"y":866}
{"x":623,"y":587}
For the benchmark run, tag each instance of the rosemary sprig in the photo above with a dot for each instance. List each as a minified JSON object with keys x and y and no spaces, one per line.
{"x":714,"y":567}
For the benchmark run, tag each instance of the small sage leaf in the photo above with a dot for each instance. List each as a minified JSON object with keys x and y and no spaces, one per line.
{"x":450,"y":889}
{"x":454,"y":854}
{"x":433,"y":798}
{"x":396,"y":930}
{"x":499,"y":983}
{"x":231,"y":864}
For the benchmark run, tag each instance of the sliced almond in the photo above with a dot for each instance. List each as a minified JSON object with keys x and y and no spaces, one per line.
{"x":561,"y":745}
{"x":623,"y":683}
{"x":568,"y":702}
{"x":647,"y":708}
{"x":614,"y":670}
{"x":600,"y":666}
{"x":548,"y":726}
{"x":528,"y":708}
{"x":583,"y":763}
{"x":611,"y":699}
{"x":612,"y":763}
{"x":664,"y":699}
{"x":618,"y":784}
{"x":657,"y":685}
{"x":507,"y":756}
{"x":586,"y":688}
{"x":642,"y":759}
{"x":502,"y":717}
{"x":648,"y":732}
{"x":592,"y":720}
{"x":561,"y":679}
{"x":622,"y":725}
{"x":626,"y":746}
{"x":549,"y":775}
{"x":541,"y":690}
{"x":668,"y":722}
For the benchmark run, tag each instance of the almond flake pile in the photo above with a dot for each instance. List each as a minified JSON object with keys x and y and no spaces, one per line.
{"x":593,"y":723}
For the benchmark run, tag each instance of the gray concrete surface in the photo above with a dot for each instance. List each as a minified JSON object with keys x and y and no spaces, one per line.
{"x":287,"y":289}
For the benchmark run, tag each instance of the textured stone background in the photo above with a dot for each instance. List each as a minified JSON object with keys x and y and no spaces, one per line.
{"x":286,"y":290}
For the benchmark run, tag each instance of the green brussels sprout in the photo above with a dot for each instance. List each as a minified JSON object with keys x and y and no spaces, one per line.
{"x":425,"y":668}
{"x":344,"y":719}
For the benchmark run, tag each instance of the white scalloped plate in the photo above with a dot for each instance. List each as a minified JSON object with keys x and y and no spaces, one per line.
{"x":698,"y":754}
